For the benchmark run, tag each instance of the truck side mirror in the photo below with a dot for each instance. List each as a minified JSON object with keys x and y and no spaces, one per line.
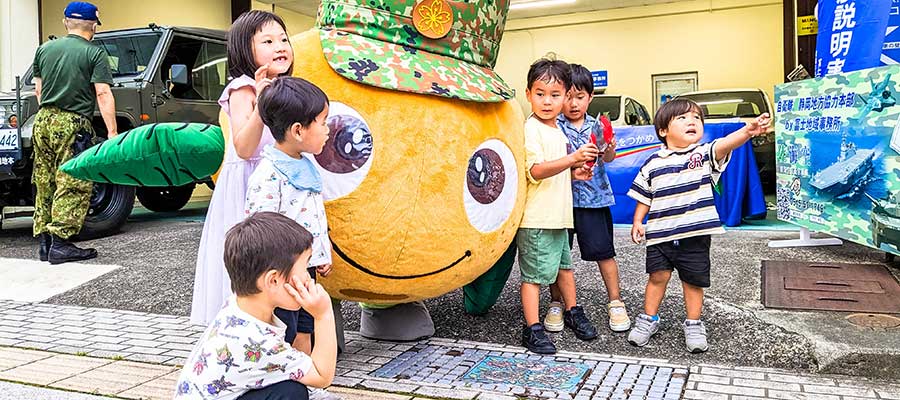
{"x":178,"y":74}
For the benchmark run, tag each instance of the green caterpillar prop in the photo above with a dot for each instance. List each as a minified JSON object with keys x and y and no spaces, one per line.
{"x":166,"y":154}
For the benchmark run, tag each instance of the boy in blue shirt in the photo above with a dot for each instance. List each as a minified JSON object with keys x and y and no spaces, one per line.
{"x":593,"y":219}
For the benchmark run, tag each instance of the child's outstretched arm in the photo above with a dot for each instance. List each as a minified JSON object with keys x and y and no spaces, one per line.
{"x":247,"y":126}
{"x":316,"y":301}
{"x":737,"y":138}
{"x":547,"y":169}
{"x":637,"y":225}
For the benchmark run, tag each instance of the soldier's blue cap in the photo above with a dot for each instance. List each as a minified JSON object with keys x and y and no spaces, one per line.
{"x":82,"y":10}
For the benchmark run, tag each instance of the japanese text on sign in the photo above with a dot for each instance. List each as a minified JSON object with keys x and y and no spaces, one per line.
{"x":841,"y":34}
{"x":824,"y":102}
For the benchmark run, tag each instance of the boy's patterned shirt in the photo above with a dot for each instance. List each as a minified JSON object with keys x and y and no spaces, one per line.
{"x":597,"y":192}
{"x":269,"y":190}
{"x":238,"y":353}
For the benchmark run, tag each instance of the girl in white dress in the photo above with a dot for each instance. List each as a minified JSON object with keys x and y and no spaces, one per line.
{"x":258,"y":46}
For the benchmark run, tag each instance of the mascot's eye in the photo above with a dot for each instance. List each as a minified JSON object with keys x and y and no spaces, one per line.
{"x":347,"y":156}
{"x":489,"y":192}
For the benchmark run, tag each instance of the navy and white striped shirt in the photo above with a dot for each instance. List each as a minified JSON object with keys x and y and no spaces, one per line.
{"x":678,"y":187}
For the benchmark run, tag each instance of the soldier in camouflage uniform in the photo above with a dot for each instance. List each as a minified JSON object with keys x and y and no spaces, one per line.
{"x":72,"y":75}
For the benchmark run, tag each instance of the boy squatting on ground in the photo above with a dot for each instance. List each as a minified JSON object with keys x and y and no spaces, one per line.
{"x":243,"y":354}
{"x":543,"y":238}
{"x":674,"y":191}
{"x":592,"y":217}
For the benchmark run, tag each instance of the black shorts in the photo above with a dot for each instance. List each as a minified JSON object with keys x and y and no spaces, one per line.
{"x":594,"y":231}
{"x":689,"y":256}
{"x":296,"y":320}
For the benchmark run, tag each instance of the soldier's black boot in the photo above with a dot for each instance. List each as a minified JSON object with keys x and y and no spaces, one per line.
{"x":62,"y":250}
{"x":44,"y":246}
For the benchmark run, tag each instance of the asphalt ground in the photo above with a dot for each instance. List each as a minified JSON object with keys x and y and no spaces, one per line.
{"x":157,"y":253}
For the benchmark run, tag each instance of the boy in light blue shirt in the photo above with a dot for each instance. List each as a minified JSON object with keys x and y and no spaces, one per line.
{"x":592,"y":217}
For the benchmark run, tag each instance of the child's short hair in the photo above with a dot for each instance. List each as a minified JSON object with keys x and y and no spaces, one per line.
{"x":548,"y":70}
{"x":671,"y":109}
{"x":288,"y":100}
{"x":262,"y":242}
{"x":581,"y":78}
{"x":240,"y":42}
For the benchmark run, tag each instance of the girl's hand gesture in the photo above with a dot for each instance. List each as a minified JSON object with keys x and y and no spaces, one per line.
{"x":759,"y":125}
{"x":262,"y":79}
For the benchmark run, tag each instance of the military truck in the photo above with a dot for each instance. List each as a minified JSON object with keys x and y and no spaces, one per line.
{"x":161,"y":74}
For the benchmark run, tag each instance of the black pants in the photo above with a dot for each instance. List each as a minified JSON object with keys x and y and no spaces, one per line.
{"x":284,"y":390}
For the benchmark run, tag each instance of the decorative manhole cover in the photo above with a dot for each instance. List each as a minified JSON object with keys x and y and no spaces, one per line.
{"x":539,"y":374}
{"x":874,"y":320}
{"x":517,"y":374}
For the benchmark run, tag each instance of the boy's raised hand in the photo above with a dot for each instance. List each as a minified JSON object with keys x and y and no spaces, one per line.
{"x":759,"y":125}
{"x":586,"y":152}
{"x":312,"y":297}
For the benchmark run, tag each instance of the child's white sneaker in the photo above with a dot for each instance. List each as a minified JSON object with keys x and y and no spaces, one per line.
{"x":322,"y":394}
{"x":553,"y":321}
{"x":618,"y":316}
{"x":644,"y":328}
{"x":695,"y":336}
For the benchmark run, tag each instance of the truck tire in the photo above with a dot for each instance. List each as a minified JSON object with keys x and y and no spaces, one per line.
{"x":165,"y":199}
{"x":110,"y":206}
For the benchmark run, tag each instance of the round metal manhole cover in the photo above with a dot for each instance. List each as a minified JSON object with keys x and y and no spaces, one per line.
{"x":874,"y":320}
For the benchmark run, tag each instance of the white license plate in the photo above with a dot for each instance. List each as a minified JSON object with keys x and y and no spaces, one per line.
{"x":9,"y":139}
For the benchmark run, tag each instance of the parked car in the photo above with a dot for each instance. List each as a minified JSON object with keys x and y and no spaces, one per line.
{"x":146,"y":91}
{"x":742,"y":105}
{"x":621,"y":110}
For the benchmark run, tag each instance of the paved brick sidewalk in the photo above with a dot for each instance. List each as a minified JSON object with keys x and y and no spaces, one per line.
{"x":136,"y":355}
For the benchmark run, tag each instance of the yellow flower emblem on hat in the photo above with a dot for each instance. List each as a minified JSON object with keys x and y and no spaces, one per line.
{"x":432,"y":18}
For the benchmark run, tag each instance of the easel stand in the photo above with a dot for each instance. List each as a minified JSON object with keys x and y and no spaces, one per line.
{"x":805,"y":241}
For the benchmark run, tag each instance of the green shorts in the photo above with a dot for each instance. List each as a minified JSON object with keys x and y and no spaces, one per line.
{"x":542,"y":253}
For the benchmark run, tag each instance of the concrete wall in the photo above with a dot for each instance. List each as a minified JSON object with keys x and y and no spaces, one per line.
{"x":118,"y":14}
{"x":730,"y":43}
{"x":18,"y":39}
{"x":295,"y":21}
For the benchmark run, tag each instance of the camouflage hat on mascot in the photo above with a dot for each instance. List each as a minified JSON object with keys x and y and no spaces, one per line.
{"x":438,"y":47}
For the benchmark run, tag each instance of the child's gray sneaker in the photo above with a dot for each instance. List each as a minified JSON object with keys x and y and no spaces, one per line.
{"x":695,"y":336}
{"x":644,"y":327}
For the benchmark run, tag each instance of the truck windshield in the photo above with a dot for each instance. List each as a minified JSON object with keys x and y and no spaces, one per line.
{"x":730,"y":104}
{"x":608,"y":105}
{"x":129,"y":55}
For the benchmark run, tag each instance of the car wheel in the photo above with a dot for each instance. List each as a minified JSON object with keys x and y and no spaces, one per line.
{"x":109,"y":207}
{"x":165,"y":199}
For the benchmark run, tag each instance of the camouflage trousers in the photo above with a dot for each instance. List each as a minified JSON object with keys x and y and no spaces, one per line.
{"x":62,"y":201}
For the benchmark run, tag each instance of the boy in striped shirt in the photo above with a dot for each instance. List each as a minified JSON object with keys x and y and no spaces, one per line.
{"x":674,"y":190}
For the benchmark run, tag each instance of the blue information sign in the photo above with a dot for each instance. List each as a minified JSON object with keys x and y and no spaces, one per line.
{"x":851,"y":34}
{"x":600,"y":78}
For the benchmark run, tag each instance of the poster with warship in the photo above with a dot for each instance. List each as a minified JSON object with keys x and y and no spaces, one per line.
{"x":838,"y":155}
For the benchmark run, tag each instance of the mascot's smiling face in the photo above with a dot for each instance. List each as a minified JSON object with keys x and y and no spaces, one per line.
{"x":423,"y":193}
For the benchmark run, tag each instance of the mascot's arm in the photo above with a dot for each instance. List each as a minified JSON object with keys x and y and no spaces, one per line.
{"x":247,"y":126}
{"x":483,"y":292}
